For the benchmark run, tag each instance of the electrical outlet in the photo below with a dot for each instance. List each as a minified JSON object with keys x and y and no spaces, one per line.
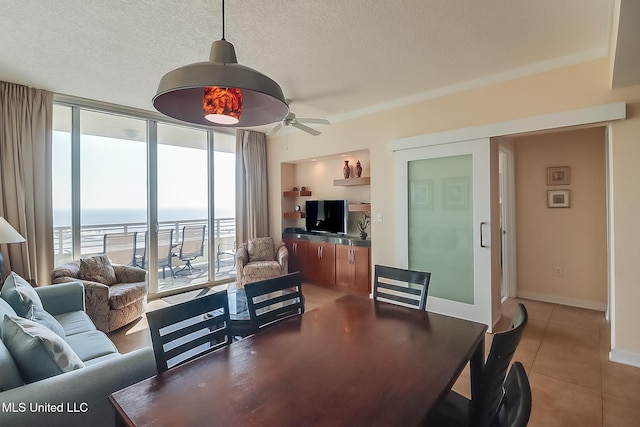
{"x":558,"y":271}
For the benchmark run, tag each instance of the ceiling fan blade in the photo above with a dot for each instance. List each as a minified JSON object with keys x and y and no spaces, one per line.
{"x":274,"y":129}
{"x":306,"y":128}
{"x":316,"y":121}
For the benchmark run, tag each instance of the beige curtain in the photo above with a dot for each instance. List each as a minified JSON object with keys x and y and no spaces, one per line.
{"x":25,"y":179}
{"x":252,"y":213}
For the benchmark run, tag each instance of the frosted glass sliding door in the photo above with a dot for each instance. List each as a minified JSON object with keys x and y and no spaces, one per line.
{"x":443,"y":199}
{"x":441,"y":224}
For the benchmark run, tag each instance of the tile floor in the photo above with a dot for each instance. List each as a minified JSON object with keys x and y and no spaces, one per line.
{"x":564,"y":350}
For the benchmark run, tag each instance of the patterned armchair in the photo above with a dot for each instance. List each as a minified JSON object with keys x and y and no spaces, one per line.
{"x":261,"y":258}
{"x":115,"y":295}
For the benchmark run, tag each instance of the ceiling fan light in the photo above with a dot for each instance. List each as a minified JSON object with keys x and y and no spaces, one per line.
{"x":222,"y":105}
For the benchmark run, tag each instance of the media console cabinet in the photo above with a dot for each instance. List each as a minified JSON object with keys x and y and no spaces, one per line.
{"x":333,"y":261}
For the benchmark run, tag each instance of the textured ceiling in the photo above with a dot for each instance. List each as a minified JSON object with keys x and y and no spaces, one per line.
{"x":332,"y":58}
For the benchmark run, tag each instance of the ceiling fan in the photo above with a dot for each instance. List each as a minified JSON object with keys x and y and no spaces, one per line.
{"x":292,"y":120}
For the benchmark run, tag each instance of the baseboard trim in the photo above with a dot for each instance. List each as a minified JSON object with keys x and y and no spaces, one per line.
{"x":625,"y":357}
{"x":573,"y":302}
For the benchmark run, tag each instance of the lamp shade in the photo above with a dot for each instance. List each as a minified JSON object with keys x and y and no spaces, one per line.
{"x":181,"y":91}
{"x":8,"y":234}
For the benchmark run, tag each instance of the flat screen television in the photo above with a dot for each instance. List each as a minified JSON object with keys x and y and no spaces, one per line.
{"x":327,"y":216}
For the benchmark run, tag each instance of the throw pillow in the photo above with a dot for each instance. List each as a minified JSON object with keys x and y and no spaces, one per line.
{"x":97,"y":269}
{"x":10,"y":377}
{"x":38,"y":352}
{"x":19,"y":294}
{"x":261,"y":249}
{"x":42,"y":316}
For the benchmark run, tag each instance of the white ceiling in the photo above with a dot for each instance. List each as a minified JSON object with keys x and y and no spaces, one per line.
{"x":332,"y":58}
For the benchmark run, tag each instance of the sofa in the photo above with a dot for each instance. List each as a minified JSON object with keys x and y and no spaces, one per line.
{"x":68,"y":382}
{"x":261,"y":258}
{"x":114,"y":297}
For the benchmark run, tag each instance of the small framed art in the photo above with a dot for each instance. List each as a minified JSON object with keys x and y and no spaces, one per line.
{"x":421,"y":194}
{"x":456,"y":193}
{"x":559,"y":175}
{"x":558,"y":198}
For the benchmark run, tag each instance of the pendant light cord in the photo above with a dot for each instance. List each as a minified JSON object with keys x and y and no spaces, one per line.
{"x":223,"y":20}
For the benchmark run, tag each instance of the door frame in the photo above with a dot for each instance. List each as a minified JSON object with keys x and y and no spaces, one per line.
{"x":600,"y":114}
{"x":508,"y":212}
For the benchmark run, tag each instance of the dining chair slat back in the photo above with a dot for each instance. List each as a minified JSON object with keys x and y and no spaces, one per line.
{"x":487,"y":397}
{"x":272,"y":300}
{"x":515,"y":409}
{"x":399,"y":286}
{"x":184,"y":331}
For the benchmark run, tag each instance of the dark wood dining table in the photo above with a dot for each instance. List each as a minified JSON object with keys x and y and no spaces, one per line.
{"x":352,"y":361}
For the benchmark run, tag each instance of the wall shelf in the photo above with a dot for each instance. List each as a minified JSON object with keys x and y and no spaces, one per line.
{"x":360,"y":207}
{"x":297,"y":193}
{"x":294,"y":215}
{"x":366,"y":180}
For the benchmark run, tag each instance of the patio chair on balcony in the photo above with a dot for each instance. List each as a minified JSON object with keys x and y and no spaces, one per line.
{"x":192,"y":247}
{"x":120,"y":248}
{"x":227,"y":250}
{"x":165,"y":251}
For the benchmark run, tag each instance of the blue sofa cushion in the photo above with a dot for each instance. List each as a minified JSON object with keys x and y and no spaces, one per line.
{"x":41,"y":316}
{"x":5,"y":308}
{"x":75,"y":322}
{"x":38,"y":352}
{"x":9,"y":374}
{"x":91,"y":345}
{"x":19,"y":294}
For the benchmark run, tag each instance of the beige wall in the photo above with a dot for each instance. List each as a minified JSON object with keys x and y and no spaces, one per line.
{"x":318,"y":176}
{"x":574,"y":87}
{"x":572,"y":239}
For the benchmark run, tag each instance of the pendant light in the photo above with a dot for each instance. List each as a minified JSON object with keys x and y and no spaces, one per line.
{"x":220,"y":92}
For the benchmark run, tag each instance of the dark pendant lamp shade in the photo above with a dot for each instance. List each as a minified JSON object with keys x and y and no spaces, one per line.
{"x":181,"y":92}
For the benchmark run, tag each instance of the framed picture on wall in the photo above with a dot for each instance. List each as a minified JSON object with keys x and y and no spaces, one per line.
{"x":456,"y":193}
{"x":421,"y":194}
{"x":558,"y":198}
{"x":559,"y":175}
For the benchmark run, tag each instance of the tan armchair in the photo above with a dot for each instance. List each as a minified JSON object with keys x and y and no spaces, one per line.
{"x":261,"y":258}
{"x":111,"y":305}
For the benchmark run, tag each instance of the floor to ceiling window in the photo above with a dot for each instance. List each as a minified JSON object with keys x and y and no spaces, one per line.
{"x":115,"y":174}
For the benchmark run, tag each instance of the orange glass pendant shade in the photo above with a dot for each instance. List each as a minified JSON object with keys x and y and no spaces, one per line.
{"x":222,"y":105}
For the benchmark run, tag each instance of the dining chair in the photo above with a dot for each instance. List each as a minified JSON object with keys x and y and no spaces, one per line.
{"x":402,"y":287}
{"x":191,"y":247}
{"x":272,"y":300}
{"x":482,"y":409}
{"x":184,"y":331}
{"x":515,"y":409}
{"x":120,"y":248}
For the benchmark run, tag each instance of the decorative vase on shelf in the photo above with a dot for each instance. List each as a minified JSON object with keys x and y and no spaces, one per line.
{"x":346,"y":170}
{"x":358,"y":169}
{"x":363,"y":235}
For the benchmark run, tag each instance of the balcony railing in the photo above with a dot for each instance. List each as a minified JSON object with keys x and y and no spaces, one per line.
{"x":92,"y":238}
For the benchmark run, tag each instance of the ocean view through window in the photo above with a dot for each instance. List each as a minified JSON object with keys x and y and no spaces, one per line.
{"x":102,"y":185}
